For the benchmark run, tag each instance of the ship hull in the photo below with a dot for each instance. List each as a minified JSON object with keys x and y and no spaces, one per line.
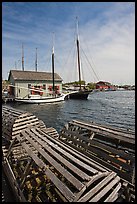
{"x":41,"y":99}
{"x":83,"y":95}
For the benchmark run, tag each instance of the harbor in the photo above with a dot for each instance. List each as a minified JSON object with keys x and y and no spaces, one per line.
{"x":68,"y":120}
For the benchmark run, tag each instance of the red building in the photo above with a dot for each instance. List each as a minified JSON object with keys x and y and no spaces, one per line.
{"x":104,"y":86}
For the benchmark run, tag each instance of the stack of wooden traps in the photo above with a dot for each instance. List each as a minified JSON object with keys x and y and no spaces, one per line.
{"x":41,"y":167}
{"x":111,"y":147}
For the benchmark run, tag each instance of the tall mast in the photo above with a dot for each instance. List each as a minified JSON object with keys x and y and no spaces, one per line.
{"x":36,"y":61}
{"x":22,"y":58}
{"x":79,"y":71}
{"x":53,"y":88}
{"x":15,"y":65}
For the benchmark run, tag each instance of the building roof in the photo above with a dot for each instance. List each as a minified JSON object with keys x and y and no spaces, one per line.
{"x":103,"y":82}
{"x":33,"y":75}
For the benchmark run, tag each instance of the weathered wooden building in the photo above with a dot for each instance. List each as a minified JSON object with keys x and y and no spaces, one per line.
{"x":24,"y":83}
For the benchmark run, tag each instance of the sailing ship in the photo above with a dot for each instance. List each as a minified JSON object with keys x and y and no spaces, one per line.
{"x":82,"y":93}
{"x":38,"y":98}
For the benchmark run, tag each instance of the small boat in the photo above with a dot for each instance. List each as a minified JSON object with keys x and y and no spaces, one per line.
{"x":40,"y":99}
{"x":83,"y":92}
{"x":37,"y":98}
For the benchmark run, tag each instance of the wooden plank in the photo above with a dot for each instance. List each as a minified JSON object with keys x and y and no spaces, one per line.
{"x":20,"y":119}
{"x":25,"y":126}
{"x":13,"y":112}
{"x":73,"y":151}
{"x":107,"y":132}
{"x":105,"y":190}
{"x":105,"y":128}
{"x":112,"y":195}
{"x":104,"y":147}
{"x":129,"y":131}
{"x":53,"y":162}
{"x":8,"y":113}
{"x":7,"y":108}
{"x":106,"y":136}
{"x":101,"y":162}
{"x":93,"y":179}
{"x":114,"y":150}
{"x":79,"y":163}
{"x":26,"y":170}
{"x":52,"y":131}
{"x":24,"y":114}
{"x":116,"y":143}
{"x":68,"y":164}
{"x":60,"y":186}
{"x":13,"y":183}
{"x":22,"y":124}
{"x":100,"y":152}
{"x":100,"y":185}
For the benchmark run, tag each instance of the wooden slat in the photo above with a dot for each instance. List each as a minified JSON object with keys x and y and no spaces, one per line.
{"x":108,"y":133}
{"x":8,"y":171}
{"x":71,"y":157}
{"x":52,"y":132}
{"x":112,"y":195}
{"x":73,"y":151}
{"x":105,"y":190}
{"x":94,"y":190}
{"x":62,"y":188}
{"x":24,"y":124}
{"x":119,"y":129}
{"x":93,"y":179}
{"x":69,"y":134}
{"x":107,"y":129}
{"x":24,"y":117}
{"x":68,"y":164}
{"x":53,"y":162}
{"x":14,"y":121}
{"x":101,"y":161}
{"x":9,"y":109}
{"x":98,"y":151}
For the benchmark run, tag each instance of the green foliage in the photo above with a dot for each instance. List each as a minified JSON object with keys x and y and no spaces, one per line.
{"x":91,"y":85}
{"x":75,"y":83}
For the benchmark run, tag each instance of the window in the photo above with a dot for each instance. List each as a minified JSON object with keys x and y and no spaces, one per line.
{"x":44,"y":86}
{"x":29,"y":86}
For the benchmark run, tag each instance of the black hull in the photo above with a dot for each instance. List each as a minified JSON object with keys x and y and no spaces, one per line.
{"x":80,"y":95}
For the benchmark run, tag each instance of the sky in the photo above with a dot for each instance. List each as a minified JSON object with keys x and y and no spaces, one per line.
{"x":106,"y":32}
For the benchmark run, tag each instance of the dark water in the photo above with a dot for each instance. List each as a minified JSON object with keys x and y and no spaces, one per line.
{"x":116,"y":108}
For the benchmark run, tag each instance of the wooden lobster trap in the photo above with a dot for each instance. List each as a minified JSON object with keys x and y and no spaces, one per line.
{"x":111,"y":147}
{"x":41,"y":168}
{"x":14,"y":121}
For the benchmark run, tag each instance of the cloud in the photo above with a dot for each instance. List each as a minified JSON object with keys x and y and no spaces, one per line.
{"x":107,"y":37}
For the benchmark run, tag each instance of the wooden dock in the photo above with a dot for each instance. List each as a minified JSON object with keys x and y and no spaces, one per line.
{"x":7,"y":99}
{"x":45,"y":166}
